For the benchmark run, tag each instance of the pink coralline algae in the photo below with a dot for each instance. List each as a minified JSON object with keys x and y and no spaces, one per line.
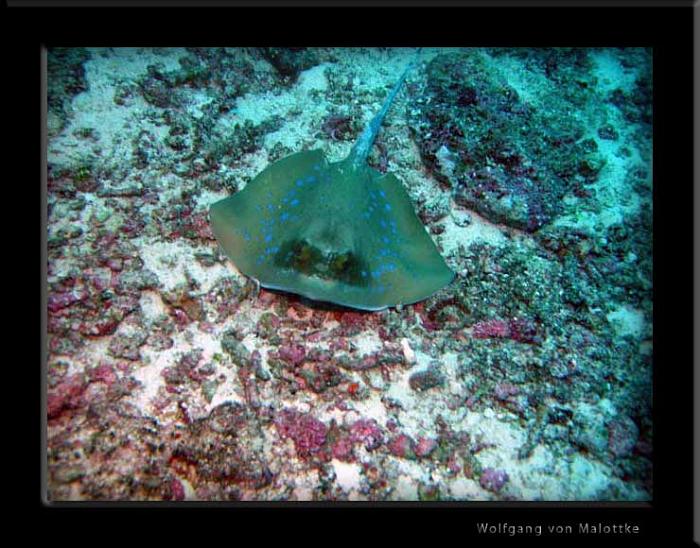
{"x":402,"y":446}
{"x":67,"y":395}
{"x":59,"y":301}
{"x":368,"y":432}
{"x":491,"y":329}
{"x":103,"y":373}
{"x":307,"y":432}
{"x":293,"y":354}
{"x":178,"y":491}
{"x":342,"y":449}
{"x":520,"y":330}
{"x":493,"y":480}
{"x":425,"y":446}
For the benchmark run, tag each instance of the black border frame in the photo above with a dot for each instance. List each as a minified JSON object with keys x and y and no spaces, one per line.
{"x":668,"y":31}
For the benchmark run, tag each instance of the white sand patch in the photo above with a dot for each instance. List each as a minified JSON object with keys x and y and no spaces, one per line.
{"x":305,"y":483}
{"x":422,"y":408}
{"x":408,"y":475}
{"x":506,"y":437}
{"x":347,"y":475}
{"x":463,"y":228}
{"x":613,"y":197}
{"x":207,"y":197}
{"x":251,"y":341}
{"x":408,"y":352}
{"x":196,"y":101}
{"x":313,"y":79}
{"x":149,"y":375}
{"x":610,"y":72}
{"x":531,"y":86}
{"x":614,"y":200}
{"x":155,"y":361}
{"x":257,"y":108}
{"x":116,"y":125}
{"x":587,"y":479}
{"x":366,"y":343}
{"x":152,"y":306}
{"x":538,"y":477}
{"x":208,"y":343}
{"x":406,"y":488}
{"x":227,"y":392}
{"x":464,"y":489}
{"x":372,"y":408}
{"x":627,"y":320}
{"x":332,"y":413}
{"x":169,"y":261}
{"x":130,"y":63}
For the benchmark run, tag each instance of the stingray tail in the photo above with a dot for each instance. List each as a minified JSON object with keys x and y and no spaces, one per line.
{"x":364,"y":143}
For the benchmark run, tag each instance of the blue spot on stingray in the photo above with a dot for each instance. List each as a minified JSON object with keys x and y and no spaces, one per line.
{"x":268,"y":237}
{"x":294,"y":202}
{"x":364,"y":273}
{"x":284,"y":216}
{"x":366,"y":215}
{"x":385,"y":239}
{"x":382,"y":223}
{"x":300,"y":182}
{"x":387,"y":207}
{"x":311,"y":179}
{"x":382,"y":194}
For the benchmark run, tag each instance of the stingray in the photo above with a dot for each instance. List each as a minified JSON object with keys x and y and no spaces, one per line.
{"x":339,"y":232}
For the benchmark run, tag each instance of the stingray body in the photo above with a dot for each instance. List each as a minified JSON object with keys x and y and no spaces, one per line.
{"x":339,"y":232}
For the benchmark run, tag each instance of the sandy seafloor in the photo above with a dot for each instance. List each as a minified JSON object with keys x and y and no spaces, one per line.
{"x":170,"y":377}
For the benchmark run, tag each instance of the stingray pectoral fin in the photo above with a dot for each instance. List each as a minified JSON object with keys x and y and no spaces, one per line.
{"x":421,"y":270}
{"x":248,"y":224}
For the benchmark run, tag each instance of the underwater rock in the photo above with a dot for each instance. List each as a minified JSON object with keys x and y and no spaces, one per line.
{"x":493,"y":480}
{"x":307,"y":432}
{"x":501,"y":157}
{"x":65,"y":79}
{"x":623,"y":436}
{"x":225,"y":447}
{"x":424,"y":380}
{"x":289,"y":62}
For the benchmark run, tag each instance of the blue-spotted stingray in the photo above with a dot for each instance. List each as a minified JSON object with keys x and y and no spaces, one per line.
{"x":339,"y":232}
